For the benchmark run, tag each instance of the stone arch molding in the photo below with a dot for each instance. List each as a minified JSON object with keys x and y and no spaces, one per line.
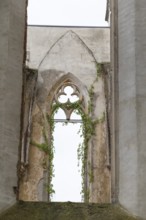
{"x":46,"y":90}
{"x":32,"y":184}
{"x":66,"y":43}
{"x":68,"y":55}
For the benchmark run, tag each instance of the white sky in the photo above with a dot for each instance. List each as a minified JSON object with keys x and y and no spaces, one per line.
{"x":67,"y":12}
{"x":67,"y":180}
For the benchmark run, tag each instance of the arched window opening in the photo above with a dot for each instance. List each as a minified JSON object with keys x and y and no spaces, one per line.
{"x":88,"y":109}
{"x":67,"y":180}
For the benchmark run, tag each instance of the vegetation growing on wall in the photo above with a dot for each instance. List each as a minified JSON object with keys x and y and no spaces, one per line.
{"x":87,"y":131}
{"x":99,"y":70}
{"x":48,"y":148}
{"x":65,"y":211}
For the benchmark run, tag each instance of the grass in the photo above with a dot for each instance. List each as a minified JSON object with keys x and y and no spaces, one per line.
{"x":64,"y":211}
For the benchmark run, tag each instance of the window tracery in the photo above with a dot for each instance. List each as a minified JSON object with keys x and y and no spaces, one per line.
{"x":67,"y":96}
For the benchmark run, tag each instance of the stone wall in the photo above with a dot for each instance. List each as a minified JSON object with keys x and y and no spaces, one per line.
{"x":12,"y":22}
{"x":74,"y":54}
{"x":130,"y":106}
{"x":42,"y":38}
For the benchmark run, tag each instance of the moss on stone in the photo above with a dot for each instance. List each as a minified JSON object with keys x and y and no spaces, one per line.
{"x":64,"y":211}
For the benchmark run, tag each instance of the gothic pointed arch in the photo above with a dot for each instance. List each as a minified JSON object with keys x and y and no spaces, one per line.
{"x":60,"y":59}
{"x":78,"y":69}
{"x":71,"y":80}
{"x":66,"y":39}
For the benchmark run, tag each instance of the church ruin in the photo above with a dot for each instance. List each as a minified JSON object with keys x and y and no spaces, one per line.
{"x":111,"y":98}
{"x":67,"y":62}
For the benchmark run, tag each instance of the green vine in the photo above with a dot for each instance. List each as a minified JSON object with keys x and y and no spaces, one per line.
{"x":42,"y":147}
{"x":73,"y":106}
{"x":87,"y":130}
{"x":99,"y":70}
{"x":90,"y":173}
{"x":48,"y":148}
{"x":50,"y":119}
{"x":91,"y":101}
{"x":50,"y":188}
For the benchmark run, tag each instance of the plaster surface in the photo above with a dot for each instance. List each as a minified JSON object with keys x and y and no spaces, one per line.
{"x":12,"y":22}
{"x":131,"y":126}
{"x":64,"y":55}
{"x":41,"y":39}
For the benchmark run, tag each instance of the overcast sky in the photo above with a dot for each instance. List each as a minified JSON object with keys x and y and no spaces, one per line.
{"x":67,"y":180}
{"x":67,"y":12}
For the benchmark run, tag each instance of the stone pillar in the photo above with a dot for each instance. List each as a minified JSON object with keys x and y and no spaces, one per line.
{"x":114,"y":98}
{"x":131,"y":106}
{"x":12,"y":32}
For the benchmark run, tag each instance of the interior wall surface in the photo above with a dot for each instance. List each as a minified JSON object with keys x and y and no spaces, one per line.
{"x":12,"y":23}
{"x":131,"y":103}
{"x":42,"y":38}
{"x":59,"y":54}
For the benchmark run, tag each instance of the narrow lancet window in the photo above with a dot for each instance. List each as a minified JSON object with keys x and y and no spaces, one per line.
{"x":67,"y":181}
